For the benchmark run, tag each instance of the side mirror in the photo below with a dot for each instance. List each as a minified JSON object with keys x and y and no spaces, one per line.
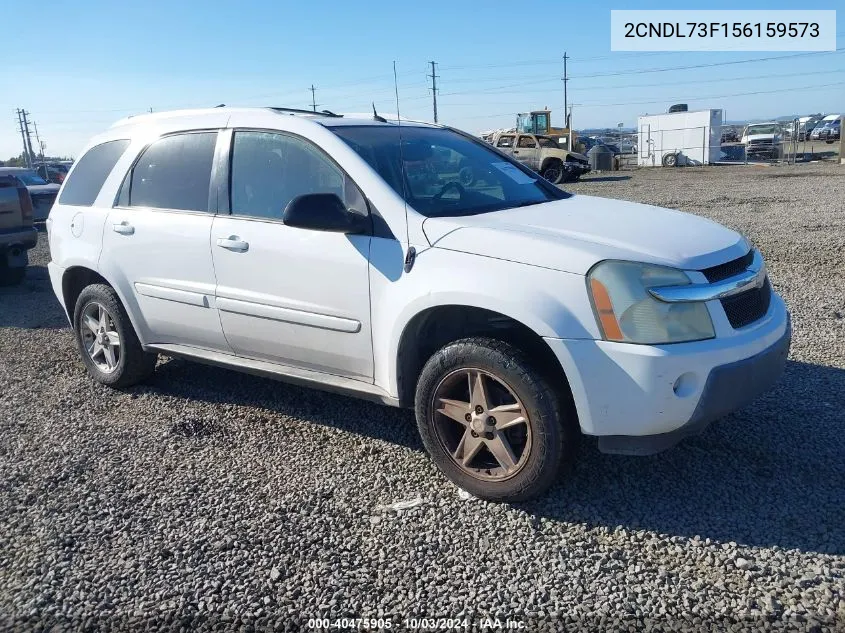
{"x":322,"y":212}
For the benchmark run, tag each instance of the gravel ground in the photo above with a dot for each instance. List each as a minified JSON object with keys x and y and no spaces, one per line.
{"x":210,"y":499}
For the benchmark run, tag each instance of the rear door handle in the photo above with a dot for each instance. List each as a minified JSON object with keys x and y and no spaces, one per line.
{"x":233,"y":243}
{"x":124,"y":228}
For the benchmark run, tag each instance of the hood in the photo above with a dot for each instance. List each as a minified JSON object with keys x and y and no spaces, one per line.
{"x":579,"y":156}
{"x":572,"y":235}
{"x":42,"y":189}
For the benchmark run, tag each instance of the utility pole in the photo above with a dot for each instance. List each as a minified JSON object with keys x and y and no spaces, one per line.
{"x":23,"y":136}
{"x":313,"y":98}
{"x":38,"y":140}
{"x":565,"y":99}
{"x":24,"y":113}
{"x":29,"y":155}
{"x":434,"y":77}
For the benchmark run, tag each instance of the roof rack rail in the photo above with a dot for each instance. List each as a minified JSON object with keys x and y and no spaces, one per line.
{"x":312,"y":112}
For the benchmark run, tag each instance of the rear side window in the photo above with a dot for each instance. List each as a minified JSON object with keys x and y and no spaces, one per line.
{"x":173,"y":173}
{"x":90,"y":172}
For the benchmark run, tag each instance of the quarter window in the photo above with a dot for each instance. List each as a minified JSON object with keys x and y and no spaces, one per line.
{"x":505,"y":141}
{"x":173,"y":173}
{"x":271,"y":169}
{"x":90,"y":172}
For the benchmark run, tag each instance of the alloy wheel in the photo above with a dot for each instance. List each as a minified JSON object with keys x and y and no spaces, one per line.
{"x":100,"y":337}
{"x":481,"y":424}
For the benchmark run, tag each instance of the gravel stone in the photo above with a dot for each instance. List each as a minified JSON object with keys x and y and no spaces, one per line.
{"x":211,"y":500}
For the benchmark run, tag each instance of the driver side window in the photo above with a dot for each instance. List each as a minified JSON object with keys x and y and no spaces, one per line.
{"x":270,"y":169}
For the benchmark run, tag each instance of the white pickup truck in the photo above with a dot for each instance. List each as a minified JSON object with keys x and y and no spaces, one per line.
{"x":762,"y":140}
{"x":353,"y":255}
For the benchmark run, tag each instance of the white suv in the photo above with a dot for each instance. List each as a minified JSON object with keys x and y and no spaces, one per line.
{"x":347,"y":254}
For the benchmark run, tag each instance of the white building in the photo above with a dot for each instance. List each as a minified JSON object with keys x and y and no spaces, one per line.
{"x":684,"y":138}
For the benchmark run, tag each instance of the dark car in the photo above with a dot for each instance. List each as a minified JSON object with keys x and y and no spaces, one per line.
{"x":17,"y":235}
{"x":832,"y":131}
{"x":52,"y":172}
{"x":43,"y":193}
{"x":729,"y":135}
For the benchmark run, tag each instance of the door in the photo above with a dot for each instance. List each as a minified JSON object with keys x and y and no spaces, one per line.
{"x":291,"y":295}
{"x":505,"y":143}
{"x":527,"y":152}
{"x":156,"y":241}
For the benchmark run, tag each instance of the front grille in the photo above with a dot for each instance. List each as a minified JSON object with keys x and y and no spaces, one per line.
{"x":743,"y":309}
{"x":729,"y":269}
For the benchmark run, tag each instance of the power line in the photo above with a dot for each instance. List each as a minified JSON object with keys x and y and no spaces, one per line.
{"x":724,"y":96}
{"x":685,"y":98}
{"x":642,"y":71}
{"x":691,"y":81}
{"x":708,"y":65}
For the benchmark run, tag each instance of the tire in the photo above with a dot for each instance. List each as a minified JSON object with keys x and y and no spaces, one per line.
{"x":11,"y":276}
{"x":553,"y":172}
{"x":670,"y":160}
{"x":545,"y":440}
{"x":132,"y":364}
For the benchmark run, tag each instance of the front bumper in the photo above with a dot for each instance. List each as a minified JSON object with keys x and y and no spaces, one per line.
{"x":642,"y":399}
{"x":576,"y":168}
{"x":22,"y":238}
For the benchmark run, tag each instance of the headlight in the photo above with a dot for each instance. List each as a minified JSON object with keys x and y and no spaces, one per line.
{"x":627,"y":312}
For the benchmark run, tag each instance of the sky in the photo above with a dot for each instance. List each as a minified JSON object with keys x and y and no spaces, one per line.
{"x":80,"y":65}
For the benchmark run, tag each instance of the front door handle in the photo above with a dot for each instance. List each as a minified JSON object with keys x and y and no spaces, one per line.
{"x":124,"y":228}
{"x":233,"y":243}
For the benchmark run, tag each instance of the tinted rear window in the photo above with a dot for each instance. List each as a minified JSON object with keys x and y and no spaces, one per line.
{"x":174,"y":173}
{"x":84,"y":184}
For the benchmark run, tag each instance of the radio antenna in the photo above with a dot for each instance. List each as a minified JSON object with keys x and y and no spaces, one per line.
{"x":411,"y":253}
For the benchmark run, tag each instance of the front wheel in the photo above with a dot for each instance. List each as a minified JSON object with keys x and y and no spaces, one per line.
{"x":491,"y":421}
{"x":553,"y":172}
{"x":107,"y":341}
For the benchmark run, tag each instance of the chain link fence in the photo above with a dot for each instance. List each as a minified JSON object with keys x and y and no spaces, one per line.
{"x":786,"y":142}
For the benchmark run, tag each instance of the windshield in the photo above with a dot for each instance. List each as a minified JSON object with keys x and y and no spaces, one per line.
{"x":762,"y":129}
{"x":30,"y":178}
{"x":547,"y":141}
{"x":445,"y":173}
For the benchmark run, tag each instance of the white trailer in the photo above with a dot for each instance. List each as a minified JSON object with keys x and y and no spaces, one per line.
{"x":682,"y":138}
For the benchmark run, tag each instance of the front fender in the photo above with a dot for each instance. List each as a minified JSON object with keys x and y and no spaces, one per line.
{"x":551,"y":303}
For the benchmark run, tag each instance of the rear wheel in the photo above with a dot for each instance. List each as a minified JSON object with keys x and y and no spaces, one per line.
{"x":670,"y":160}
{"x":107,"y":341}
{"x":491,"y":421}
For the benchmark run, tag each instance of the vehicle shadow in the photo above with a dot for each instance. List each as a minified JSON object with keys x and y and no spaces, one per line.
{"x":31,"y":304}
{"x":768,"y":475}
{"x":216,"y":385}
{"x":605,"y":178}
